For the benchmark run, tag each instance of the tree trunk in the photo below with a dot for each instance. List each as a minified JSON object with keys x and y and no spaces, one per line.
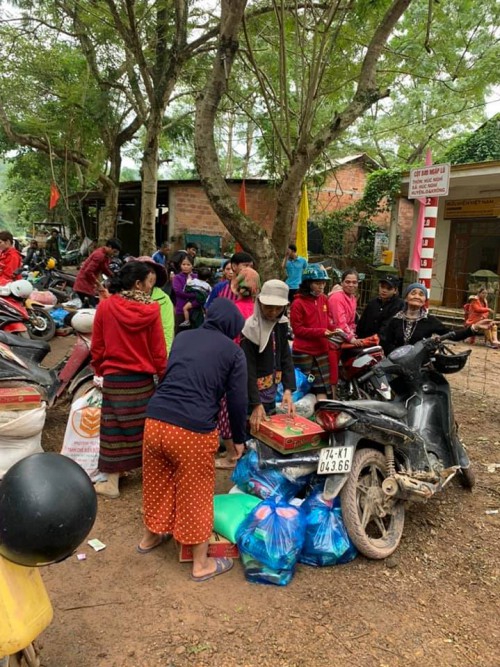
{"x":149,"y":176}
{"x":249,"y":234}
{"x":109,"y":214}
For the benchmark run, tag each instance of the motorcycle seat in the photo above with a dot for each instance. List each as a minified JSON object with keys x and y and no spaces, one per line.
{"x":389,"y":408}
{"x":16,"y":341}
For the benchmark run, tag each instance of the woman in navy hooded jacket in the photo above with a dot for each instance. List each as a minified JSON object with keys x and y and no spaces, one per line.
{"x":181,"y":437}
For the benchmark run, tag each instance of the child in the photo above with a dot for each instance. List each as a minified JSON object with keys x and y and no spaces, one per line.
{"x":200,"y":287}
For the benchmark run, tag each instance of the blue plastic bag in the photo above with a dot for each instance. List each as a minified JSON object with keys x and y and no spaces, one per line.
{"x":326,"y":539}
{"x":257,"y":573}
{"x":273,"y":534}
{"x":302,"y":384}
{"x":59,"y":315}
{"x":269,"y":483}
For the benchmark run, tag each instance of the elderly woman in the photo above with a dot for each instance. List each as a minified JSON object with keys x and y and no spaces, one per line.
{"x":269,"y":360}
{"x":414,"y":323}
{"x":181,"y":438}
{"x":128,"y":350}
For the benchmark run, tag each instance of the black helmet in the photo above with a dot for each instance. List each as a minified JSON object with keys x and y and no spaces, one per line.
{"x":446,"y":361}
{"x":47,"y":508}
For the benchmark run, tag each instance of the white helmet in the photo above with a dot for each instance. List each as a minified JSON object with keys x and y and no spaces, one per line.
{"x":21,"y":288}
{"x":83,"y":320}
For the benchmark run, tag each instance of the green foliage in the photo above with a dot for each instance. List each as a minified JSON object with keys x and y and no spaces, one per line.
{"x":382,"y":187}
{"x":483,"y":145}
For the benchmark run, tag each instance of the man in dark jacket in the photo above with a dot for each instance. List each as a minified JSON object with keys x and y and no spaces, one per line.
{"x":379,"y":310}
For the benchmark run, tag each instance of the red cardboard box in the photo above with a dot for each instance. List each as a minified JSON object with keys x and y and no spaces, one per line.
{"x":19,"y":398}
{"x":218,"y":547}
{"x":289,"y":435}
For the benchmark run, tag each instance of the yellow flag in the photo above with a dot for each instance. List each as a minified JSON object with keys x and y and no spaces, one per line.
{"x":303,"y":217}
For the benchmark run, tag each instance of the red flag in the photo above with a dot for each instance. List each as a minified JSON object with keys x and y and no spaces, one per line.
{"x":242,"y":199}
{"x":242,"y":203}
{"x":54,"y":195}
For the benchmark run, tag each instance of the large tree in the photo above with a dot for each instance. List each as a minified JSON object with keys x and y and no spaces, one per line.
{"x":318,"y":68}
{"x":53,"y":100}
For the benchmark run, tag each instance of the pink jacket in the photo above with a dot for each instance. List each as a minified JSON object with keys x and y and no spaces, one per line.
{"x":342,"y":313}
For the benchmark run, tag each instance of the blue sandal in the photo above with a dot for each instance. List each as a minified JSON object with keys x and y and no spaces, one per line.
{"x":222,"y":565}
{"x":163,"y":538}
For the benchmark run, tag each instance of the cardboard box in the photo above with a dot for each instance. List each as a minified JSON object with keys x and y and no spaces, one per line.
{"x":19,"y":398}
{"x":290,"y":435}
{"x":218,"y":547}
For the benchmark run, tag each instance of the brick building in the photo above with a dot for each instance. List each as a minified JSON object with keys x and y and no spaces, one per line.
{"x":185,"y":214}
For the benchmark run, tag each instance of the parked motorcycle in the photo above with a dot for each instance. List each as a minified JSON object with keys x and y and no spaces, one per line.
{"x":18,"y":314}
{"x":20,"y":361}
{"x":46,"y":276}
{"x":355,"y":362}
{"x":382,"y":454}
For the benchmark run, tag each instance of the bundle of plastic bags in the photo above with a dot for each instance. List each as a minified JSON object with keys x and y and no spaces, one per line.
{"x":269,"y":483}
{"x":270,"y":539}
{"x":326,"y":540}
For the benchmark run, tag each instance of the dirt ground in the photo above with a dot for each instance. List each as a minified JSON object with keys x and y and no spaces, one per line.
{"x":436,"y":601}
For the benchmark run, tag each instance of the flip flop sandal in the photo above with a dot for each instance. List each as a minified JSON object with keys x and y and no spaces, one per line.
{"x":222,"y":565}
{"x":163,"y":538}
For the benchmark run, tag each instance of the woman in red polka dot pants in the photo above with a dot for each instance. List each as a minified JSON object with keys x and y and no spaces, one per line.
{"x":181,"y":439}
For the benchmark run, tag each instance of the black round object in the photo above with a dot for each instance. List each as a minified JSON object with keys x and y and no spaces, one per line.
{"x":446,"y":361}
{"x":47,"y":508}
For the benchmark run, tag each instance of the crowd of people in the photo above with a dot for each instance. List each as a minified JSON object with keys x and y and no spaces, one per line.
{"x":185,"y":362}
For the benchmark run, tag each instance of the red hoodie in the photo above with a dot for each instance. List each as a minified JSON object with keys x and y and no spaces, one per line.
{"x":10,"y":261}
{"x":309,"y":320}
{"x":127,"y":337}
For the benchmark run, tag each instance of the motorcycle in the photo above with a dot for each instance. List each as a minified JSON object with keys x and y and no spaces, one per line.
{"x":18,"y":314}
{"x":20,"y":361}
{"x":46,"y":277}
{"x":354,"y":364}
{"x":382,"y":454}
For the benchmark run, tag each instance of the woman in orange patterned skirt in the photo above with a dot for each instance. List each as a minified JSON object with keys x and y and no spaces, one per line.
{"x":181,"y":438}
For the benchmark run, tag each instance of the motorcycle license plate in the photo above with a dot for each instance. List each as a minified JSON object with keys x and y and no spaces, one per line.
{"x":335,"y":460}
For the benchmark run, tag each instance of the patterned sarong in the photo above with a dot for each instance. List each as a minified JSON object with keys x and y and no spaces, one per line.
{"x":124,"y":402}
{"x":318,"y":367}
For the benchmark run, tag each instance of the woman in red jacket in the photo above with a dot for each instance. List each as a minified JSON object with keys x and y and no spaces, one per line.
{"x":309,"y":321}
{"x":10,"y":259}
{"x":128,"y":350}
{"x":478,"y":310}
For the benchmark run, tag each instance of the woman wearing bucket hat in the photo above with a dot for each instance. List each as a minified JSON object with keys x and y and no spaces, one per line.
{"x":269,"y":360}
{"x":414,"y":323}
{"x":309,"y":320}
{"x":162,"y":299}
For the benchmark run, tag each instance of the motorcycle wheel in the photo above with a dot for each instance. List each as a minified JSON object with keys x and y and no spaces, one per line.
{"x":40,"y":326}
{"x":374,"y":523}
{"x":467,"y":478}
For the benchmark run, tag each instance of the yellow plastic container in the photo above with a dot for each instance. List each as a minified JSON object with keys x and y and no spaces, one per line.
{"x":25,"y":609}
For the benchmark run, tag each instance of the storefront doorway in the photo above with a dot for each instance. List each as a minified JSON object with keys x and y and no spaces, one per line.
{"x":474,"y":245}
